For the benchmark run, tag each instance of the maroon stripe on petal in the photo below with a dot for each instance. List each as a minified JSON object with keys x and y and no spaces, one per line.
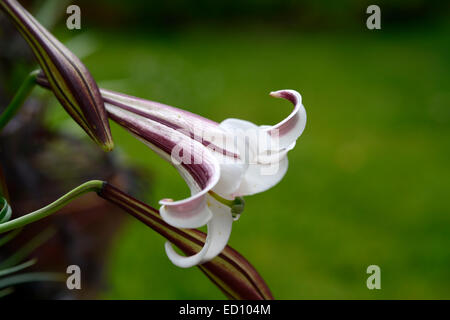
{"x":134,"y":104}
{"x":141,"y":113}
{"x":154,"y":134}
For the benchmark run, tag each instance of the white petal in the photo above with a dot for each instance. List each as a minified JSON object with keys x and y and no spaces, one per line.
{"x":246,"y":137}
{"x":269,"y":157}
{"x":231,"y":174}
{"x":264,"y":168}
{"x":259,"y":177}
{"x":219,"y":230}
{"x":182,"y":261}
{"x":193,"y":213}
{"x":233,"y":124}
{"x":291,"y":127}
{"x":230,"y":179}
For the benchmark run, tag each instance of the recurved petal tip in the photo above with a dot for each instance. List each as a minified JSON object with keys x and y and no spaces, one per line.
{"x":291,"y":95}
{"x":291,"y":127}
{"x":275,"y":94}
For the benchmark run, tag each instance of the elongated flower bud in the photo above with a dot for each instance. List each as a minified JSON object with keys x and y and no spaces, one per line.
{"x":229,"y":271}
{"x":68,"y":78}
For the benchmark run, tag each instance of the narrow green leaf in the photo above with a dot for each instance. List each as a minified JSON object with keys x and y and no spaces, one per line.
{"x":19,"y":267}
{"x":5,"y":210}
{"x":5,"y":239}
{"x":27,"y":249}
{"x":30,"y":277}
{"x":5,"y":292}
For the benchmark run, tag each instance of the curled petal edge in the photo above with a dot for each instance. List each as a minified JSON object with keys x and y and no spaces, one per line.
{"x":293,"y":126}
{"x":187,"y":213}
{"x":284,"y":134}
{"x":219,"y":230}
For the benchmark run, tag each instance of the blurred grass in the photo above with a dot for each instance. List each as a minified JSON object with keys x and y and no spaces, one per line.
{"x":368,"y":181}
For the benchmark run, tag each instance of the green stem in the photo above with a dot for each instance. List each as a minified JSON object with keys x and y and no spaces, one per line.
{"x":226,"y":202}
{"x":18,"y":99}
{"x":94,"y":185}
{"x":236,"y":205}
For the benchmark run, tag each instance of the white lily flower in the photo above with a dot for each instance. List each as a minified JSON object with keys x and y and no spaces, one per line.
{"x":219,"y":162}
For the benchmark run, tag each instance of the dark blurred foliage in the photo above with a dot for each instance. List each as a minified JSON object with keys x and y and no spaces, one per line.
{"x":40,"y":165}
{"x":306,"y":14}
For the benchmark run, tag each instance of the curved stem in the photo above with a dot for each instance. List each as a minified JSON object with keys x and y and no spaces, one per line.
{"x":18,"y":99}
{"x":94,"y":185}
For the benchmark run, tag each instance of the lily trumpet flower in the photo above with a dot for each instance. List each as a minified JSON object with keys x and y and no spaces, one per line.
{"x":219,"y":162}
{"x":67,"y":76}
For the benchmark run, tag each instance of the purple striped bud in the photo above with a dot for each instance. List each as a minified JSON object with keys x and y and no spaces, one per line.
{"x":66,"y":75}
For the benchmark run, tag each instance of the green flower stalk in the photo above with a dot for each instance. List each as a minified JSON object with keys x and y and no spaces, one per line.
{"x":67,"y":76}
{"x":19,"y":99}
{"x":5,"y":210}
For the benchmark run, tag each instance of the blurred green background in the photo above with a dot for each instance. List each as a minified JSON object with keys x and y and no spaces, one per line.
{"x":369,"y":179}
